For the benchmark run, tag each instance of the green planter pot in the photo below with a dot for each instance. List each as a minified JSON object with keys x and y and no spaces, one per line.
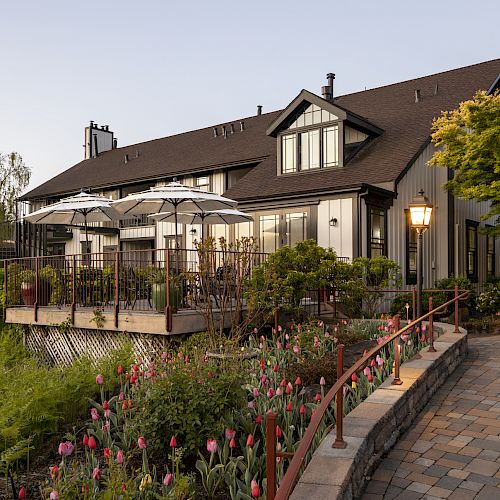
{"x":158,"y":296}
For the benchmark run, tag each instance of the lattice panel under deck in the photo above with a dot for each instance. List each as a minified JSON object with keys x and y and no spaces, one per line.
{"x":62,"y":347}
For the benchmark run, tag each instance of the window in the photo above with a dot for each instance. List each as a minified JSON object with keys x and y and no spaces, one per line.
{"x":285,"y":227}
{"x":377,"y":220}
{"x":490,"y":256}
{"x":411,"y":251}
{"x":471,"y":249}
{"x":314,"y":148}
{"x":202,"y":182}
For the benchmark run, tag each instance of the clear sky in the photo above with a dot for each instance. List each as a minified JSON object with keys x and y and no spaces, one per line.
{"x":153,"y":68}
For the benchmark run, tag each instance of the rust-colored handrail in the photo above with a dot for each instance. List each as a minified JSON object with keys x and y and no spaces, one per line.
{"x":291,"y":476}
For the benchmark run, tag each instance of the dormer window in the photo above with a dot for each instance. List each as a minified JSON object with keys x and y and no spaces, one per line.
{"x":314,"y":144}
{"x":313,"y":134}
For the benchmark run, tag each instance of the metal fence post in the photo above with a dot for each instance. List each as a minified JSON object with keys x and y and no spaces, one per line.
{"x":414,"y":302}
{"x":168,"y":307}
{"x":339,"y":416}
{"x":457,"y":330}
{"x":431,"y":332}
{"x":37,"y":291}
{"x":397,"y":354}
{"x":271,"y":455}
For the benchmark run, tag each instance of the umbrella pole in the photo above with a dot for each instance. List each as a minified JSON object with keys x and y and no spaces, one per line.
{"x":176,"y":245}
{"x":86,"y":234}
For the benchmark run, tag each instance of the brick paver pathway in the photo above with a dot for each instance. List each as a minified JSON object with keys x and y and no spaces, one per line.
{"x":453,"y":448}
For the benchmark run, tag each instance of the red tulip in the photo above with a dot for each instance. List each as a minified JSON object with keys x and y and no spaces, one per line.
{"x":298,"y":381}
{"x":255,"y":489}
{"x":105,"y":405}
{"x":120,"y":370}
{"x":22,"y":493}
{"x":96,"y":474}
{"x":173,"y":442}
{"x":370,"y":378}
{"x":278,"y":431}
{"x":92,"y":444}
{"x":54,"y":471}
{"x":283,"y":383}
{"x":354,"y":377}
{"x":85,"y":440}
{"x":120,"y":457}
{"x":302,"y":410}
{"x":258,"y":419}
{"x":232,"y":444}
{"x":317,"y":398}
{"x":289,"y":406}
{"x":276,"y":368}
{"x":107,"y":453}
{"x":250,"y":441}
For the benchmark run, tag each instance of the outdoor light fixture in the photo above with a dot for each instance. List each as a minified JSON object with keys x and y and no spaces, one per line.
{"x":192,"y":231}
{"x":420,"y":213}
{"x":333,"y":222}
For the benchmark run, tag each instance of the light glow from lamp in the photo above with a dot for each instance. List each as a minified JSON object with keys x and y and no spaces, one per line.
{"x":420,"y":212}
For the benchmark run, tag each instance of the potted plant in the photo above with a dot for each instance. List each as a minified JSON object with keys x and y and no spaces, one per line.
{"x":28,"y":289}
{"x":157,"y":279}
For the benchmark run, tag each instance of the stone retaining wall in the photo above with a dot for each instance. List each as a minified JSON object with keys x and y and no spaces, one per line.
{"x":373,"y":427}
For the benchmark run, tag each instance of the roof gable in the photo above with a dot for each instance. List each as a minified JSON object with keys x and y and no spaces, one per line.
{"x":305,"y":98}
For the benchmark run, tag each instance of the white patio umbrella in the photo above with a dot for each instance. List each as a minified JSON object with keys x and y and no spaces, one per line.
{"x":174,"y":197}
{"x":227,"y":216}
{"x":79,"y":209}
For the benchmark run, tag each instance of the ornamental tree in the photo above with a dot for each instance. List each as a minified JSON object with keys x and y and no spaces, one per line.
{"x":468,"y":141}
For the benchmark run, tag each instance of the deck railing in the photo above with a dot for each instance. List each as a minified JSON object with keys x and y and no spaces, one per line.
{"x":133,"y":280}
{"x":298,"y":458}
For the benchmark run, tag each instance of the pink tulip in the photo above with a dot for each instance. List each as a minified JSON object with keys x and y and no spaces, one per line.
{"x":141,"y":442}
{"x":230,"y":434}
{"x":121,"y":396}
{"x":255,"y":392}
{"x":54,"y":495}
{"x":279,"y":392}
{"x":94,"y":414}
{"x":296,"y":349}
{"x":424,"y":327}
{"x":107,"y":413}
{"x":251,"y":404}
{"x":270,"y":393}
{"x":211,"y":445}
{"x":288,"y":389}
{"x":278,"y":345}
{"x":322,"y":381}
{"x":168,"y":479}
{"x":120,"y":456}
{"x":366,"y":372}
{"x":66,"y":448}
{"x":96,"y":474}
{"x":255,"y":489}
{"x":99,"y":379}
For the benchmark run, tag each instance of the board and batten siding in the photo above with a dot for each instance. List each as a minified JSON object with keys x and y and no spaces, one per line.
{"x":339,"y":237}
{"x":436,"y":242}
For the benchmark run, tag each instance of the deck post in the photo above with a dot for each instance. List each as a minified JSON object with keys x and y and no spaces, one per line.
{"x":414,"y":302}
{"x":35,"y":305}
{"x":73,"y":289}
{"x":117,"y":288}
{"x":397,"y":354}
{"x":5,"y":290}
{"x":168,"y":307}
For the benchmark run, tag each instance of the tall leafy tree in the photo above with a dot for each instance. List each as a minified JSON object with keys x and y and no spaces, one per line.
{"x":468,"y":141}
{"x":14,"y":178}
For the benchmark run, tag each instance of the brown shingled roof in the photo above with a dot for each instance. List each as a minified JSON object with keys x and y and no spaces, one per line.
{"x":406,"y":126}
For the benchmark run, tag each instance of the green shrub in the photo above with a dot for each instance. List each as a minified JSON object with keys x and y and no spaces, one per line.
{"x":190,"y":403}
{"x":488,"y":302}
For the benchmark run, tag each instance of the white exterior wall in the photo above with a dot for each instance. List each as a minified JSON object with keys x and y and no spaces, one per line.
{"x":339,"y":237}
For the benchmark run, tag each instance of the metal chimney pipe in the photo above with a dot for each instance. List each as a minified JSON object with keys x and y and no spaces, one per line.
{"x":259,"y":110}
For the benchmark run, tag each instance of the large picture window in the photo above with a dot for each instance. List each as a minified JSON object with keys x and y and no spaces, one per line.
{"x":471,"y":249}
{"x":377,"y":229}
{"x":313,"y":148}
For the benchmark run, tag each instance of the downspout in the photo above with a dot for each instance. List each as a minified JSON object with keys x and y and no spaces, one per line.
{"x":360,"y":240}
